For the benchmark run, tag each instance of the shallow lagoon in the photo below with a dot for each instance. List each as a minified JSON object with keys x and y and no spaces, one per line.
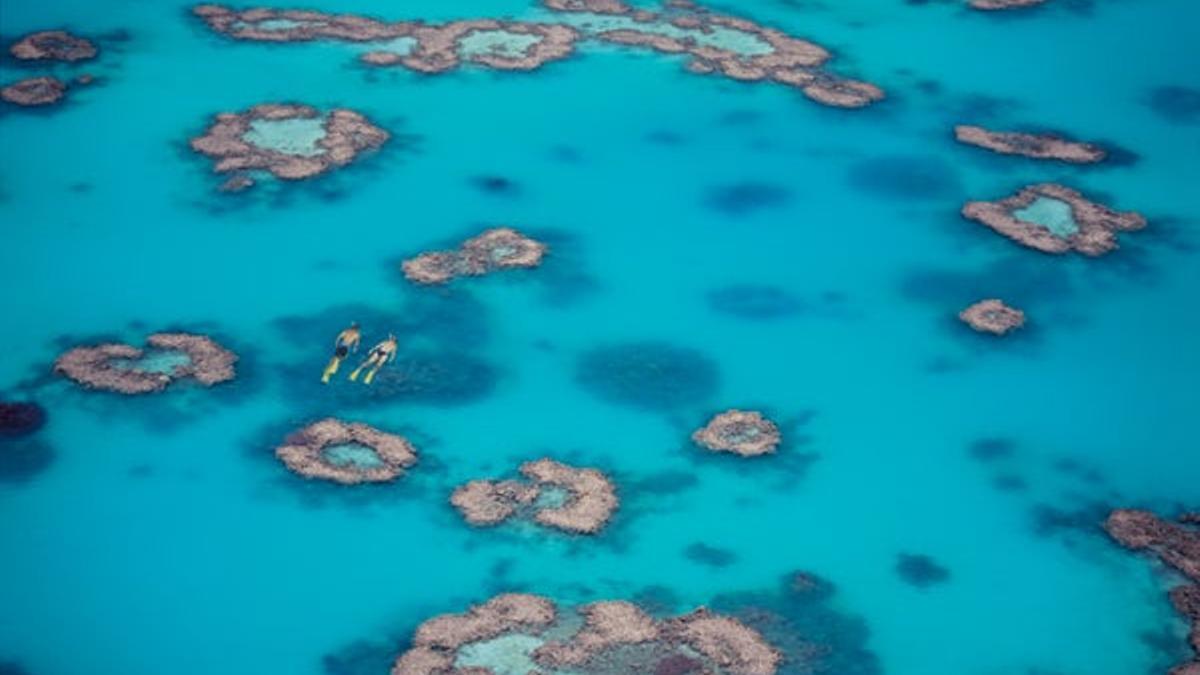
{"x":166,"y":538}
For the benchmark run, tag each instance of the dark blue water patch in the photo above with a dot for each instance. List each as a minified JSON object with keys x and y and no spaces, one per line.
{"x":12,"y":667}
{"x":755,"y":302}
{"x":20,"y":418}
{"x":920,"y":571}
{"x":665,"y":138}
{"x":710,"y":556}
{"x":496,"y":186}
{"x":1168,"y":649}
{"x":140,"y":471}
{"x":746,"y":197}
{"x":566,"y":154}
{"x":1175,"y":104}
{"x":906,"y":178}
{"x":448,"y":317}
{"x":1009,"y":483}
{"x":740,"y":118}
{"x":80,"y":187}
{"x":660,"y":484}
{"x":1027,"y":280}
{"x":991,"y":449}
{"x":1080,"y":470}
{"x":803,"y":618}
{"x":22,"y":460}
{"x":1085,"y":517}
{"x":565,"y":276}
{"x":651,"y":375}
{"x":362,"y":657}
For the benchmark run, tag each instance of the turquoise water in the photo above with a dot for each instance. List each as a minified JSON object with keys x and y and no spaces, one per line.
{"x":164,"y":534}
{"x":1052,"y":214}
{"x":295,"y":136}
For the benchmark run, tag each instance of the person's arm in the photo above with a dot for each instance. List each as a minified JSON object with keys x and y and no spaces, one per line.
{"x":354,"y":347}
{"x":392,"y":356}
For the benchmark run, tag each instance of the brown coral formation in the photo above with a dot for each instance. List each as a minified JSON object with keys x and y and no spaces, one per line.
{"x":615,"y":636}
{"x":437,"y":641}
{"x":1176,"y":545}
{"x":680,"y":28}
{"x":1035,"y":146}
{"x":346,"y":134}
{"x":741,"y":432}
{"x":1094,"y":227}
{"x":34,"y":91}
{"x":495,"y":249}
{"x":52,"y":45}
{"x":1003,"y":4}
{"x":589,"y":502}
{"x":992,"y":316}
{"x":122,"y":368}
{"x":305,"y":452}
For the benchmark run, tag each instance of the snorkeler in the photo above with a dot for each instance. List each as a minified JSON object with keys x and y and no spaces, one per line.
{"x":346,"y":342}
{"x":380,"y":354}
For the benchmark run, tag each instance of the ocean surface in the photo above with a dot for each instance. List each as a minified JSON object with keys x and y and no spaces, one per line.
{"x":801,"y":260}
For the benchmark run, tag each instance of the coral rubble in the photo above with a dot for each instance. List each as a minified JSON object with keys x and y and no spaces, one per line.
{"x":52,"y":45}
{"x":34,"y":91}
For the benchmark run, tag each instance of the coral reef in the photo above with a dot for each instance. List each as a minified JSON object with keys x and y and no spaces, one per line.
{"x":920,"y":571}
{"x":602,"y":637}
{"x":1053,"y":218}
{"x":1035,"y":146}
{"x":992,"y":316}
{"x":346,"y":453}
{"x":291,"y":142}
{"x":586,"y":498}
{"x":741,"y":432}
{"x":34,"y":91}
{"x":495,"y":249}
{"x":20,"y":418}
{"x":52,"y":45}
{"x":732,"y":47}
{"x":126,"y":369}
{"x":1176,"y":545}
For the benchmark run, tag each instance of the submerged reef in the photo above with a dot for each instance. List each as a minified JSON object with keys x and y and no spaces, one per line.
{"x":992,"y":316}
{"x":52,"y":45}
{"x":1003,"y":4}
{"x":129,"y":370}
{"x":732,"y":47}
{"x":34,"y":91}
{"x":20,"y":418}
{"x":528,"y":633}
{"x":555,"y":495}
{"x":651,"y":375}
{"x":920,"y":570}
{"x":1053,"y":218}
{"x":1035,"y":146}
{"x":495,"y":249}
{"x":291,"y":142}
{"x":346,"y":452}
{"x":741,"y":432}
{"x":1177,"y":546}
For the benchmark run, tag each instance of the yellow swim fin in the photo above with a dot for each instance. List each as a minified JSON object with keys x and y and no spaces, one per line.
{"x":331,"y":369}
{"x":370,"y":376}
{"x":354,"y":375}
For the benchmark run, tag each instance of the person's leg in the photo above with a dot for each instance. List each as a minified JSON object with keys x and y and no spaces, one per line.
{"x":331,"y":369}
{"x":371,"y":360}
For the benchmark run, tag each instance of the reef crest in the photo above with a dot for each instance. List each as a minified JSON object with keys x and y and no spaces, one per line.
{"x":1034,"y":146}
{"x":52,"y":45}
{"x":992,"y":316}
{"x":34,"y":91}
{"x":495,"y":249}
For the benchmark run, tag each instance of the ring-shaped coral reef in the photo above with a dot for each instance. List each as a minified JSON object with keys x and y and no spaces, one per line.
{"x":992,"y":316}
{"x":529,"y":633}
{"x":741,"y":432}
{"x":1054,"y":218}
{"x":1034,"y":146}
{"x":499,"y":248}
{"x":125,"y":369}
{"x":291,"y":142}
{"x":346,"y":452}
{"x":716,"y":43}
{"x":556,"y":495}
